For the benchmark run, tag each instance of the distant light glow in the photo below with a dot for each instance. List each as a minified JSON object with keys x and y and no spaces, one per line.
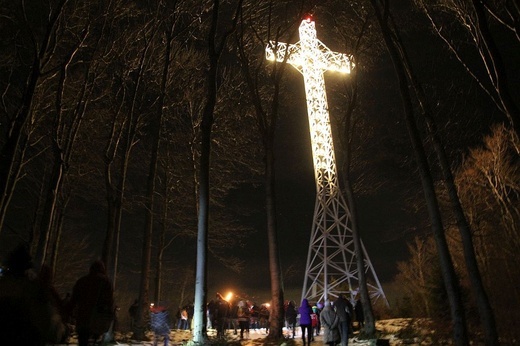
{"x":229,"y":296}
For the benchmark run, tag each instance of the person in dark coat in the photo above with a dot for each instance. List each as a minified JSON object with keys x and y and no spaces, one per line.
{"x":329,"y":321}
{"x":132,"y":311}
{"x":360,"y":316}
{"x":305,"y":311}
{"x":341,"y":306}
{"x":290,"y":317}
{"x":92,"y":303}
{"x":27,"y":314}
{"x":222,"y":309}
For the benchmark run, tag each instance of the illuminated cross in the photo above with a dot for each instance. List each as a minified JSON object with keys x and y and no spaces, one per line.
{"x":331,"y":261}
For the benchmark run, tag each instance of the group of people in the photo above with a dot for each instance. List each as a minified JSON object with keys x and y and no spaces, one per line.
{"x":242,"y":315}
{"x":335,"y":318}
{"x":33,"y":313}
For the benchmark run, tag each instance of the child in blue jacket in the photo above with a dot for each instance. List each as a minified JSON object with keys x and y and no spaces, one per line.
{"x":160,"y":323}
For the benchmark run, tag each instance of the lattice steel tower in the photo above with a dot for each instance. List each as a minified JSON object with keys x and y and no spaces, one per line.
{"x":331,"y":262}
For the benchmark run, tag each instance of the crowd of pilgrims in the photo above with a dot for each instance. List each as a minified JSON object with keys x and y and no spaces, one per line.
{"x":33,"y":313}
{"x":336,"y":318}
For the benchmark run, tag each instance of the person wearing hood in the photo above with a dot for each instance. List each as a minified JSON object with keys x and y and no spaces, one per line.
{"x":160,"y":323}
{"x":342,"y":308}
{"x":330,"y":321}
{"x":92,"y":303}
{"x":305,"y":311}
{"x":290,"y":317}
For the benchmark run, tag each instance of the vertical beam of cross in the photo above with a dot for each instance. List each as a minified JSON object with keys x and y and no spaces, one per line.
{"x":331,"y":262}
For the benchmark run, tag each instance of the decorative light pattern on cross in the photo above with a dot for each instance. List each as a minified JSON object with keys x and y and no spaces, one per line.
{"x":311,"y":50}
{"x":331,"y":261}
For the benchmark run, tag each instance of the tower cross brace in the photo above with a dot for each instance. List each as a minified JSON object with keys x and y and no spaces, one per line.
{"x":331,"y":267}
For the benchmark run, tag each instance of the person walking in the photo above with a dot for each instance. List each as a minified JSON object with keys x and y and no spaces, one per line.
{"x":305,"y":312}
{"x":222,"y":313}
{"x":132,"y":311}
{"x":184,"y":319}
{"x":315,"y":319}
{"x":243,"y":318}
{"x":329,"y":321}
{"x":92,"y":303}
{"x":360,"y":316}
{"x":290,"y":317}
{"x":160,"y":323}
{"x":341,"y":307}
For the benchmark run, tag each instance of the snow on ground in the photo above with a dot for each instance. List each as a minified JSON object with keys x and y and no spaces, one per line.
{"x":402,"y":331}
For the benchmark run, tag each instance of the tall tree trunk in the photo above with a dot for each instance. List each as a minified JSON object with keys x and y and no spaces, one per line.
{"x":159,"y":264}
{"x":115,"y":191}
{"x":348,"y":130}
{"x":201,"y":289}
{"x":446,"y":264}
{"x":35,"y":236}
{"x":370,"y":328}
{"x":485,"y":311}
{"x":56,"y":248}
{"x":277,"y":308}
{"x":164,"y":80}
{"x":266,"y":122}
{"x":13,"y":175}
{"x":144,"y":284}
{"x":147,"y":241}
{"x":150,"y":210}
{"x":49,"y":209}
{"x":57,"y":171}
{"x":63,"y":138}
{"x":368,"y":313}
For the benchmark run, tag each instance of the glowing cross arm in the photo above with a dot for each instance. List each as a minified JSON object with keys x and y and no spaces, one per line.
{"x":333,"y":61}
{"x":322,"y":57}
{"x":277,"y":51}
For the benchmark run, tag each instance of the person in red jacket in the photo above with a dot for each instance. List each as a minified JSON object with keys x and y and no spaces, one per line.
{"x":92,"y":303}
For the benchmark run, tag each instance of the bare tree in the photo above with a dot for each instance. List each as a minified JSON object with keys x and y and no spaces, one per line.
{"x":216,"y":44}
{"x":415,"y":274}
{"x":487,"y":182}
{"x":128,"y":117}
{"x":70,"y":109}
{"x":485,"y":310}
{"x":451,"y":283}
{"x":471,"y":17}
{"x":264,"y":94}
{"x":42,"y":50}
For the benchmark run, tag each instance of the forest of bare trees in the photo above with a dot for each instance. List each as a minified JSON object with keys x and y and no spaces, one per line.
{"x":129,"y":131}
